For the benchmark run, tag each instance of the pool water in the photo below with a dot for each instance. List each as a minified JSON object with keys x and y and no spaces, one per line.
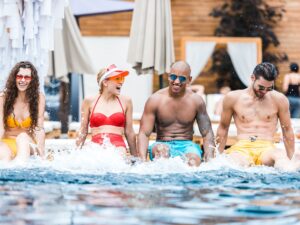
{"x":95,"y":186}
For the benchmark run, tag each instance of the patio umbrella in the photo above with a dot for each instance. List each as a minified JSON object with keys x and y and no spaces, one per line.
{"x":151,"y":45}
{"x":70,"y":54}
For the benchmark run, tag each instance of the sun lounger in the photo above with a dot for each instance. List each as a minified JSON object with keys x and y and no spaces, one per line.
{"x":52,"y":129}
{"x":73,"y":129}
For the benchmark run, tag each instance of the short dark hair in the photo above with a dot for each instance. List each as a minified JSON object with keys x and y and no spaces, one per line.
{"x":266,"y":70}
{"x":294,"y":67}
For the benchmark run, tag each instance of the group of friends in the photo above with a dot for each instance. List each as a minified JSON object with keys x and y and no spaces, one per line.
{"x":170,"y":112}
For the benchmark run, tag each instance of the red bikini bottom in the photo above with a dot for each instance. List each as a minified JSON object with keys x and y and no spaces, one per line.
{"x":115,"y":139}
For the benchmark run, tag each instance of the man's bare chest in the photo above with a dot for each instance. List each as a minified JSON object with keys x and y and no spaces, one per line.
{"x":263,"y":111}
{"x":180,"y":112}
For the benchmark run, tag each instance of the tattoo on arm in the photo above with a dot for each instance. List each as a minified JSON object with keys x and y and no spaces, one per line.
{"x":204,"y":123}
{"x":205,"y":128}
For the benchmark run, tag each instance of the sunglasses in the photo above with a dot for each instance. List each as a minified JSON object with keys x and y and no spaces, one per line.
{"x":25,"y":77}
{"x":262,"y":88}
{"x":118,"y":79}
{"x":173,"y":77}
{"x":25,"y":64}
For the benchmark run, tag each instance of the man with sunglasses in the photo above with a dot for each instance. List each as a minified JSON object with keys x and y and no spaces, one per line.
{"x":256,"y":111}
{"x":173,"y":111}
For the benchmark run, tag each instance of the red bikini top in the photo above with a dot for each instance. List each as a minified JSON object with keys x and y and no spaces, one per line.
{"x":99,"y":119}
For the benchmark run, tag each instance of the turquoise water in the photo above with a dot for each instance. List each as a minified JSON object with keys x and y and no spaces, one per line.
{"x":99,"y":187}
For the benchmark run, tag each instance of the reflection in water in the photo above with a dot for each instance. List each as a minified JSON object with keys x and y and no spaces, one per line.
{"x":98,"y":204}
{"x":100,"y":187}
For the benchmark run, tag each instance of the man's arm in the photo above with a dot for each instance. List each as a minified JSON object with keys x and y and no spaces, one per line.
{"x":129,"y":132}
{"x":226,"y":115}
{"x":206,"y":131}
{"x":146,"y":127}
{"x":286,"y":125}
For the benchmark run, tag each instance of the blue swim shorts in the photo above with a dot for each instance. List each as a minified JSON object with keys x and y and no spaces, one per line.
{"x":178,"y":148}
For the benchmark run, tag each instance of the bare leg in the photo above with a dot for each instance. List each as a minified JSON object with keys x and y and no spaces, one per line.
{"x":23,"y":147}
{"x":193,"y":159}
{"x":274,"y":157}
{"x":5,"y":152}
{"x":239,"y":159}
{"x":160,"y":151}
{"x":279,"y":159}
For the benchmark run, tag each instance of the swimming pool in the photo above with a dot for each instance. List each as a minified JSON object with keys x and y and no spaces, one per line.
{"x":93,"y":187}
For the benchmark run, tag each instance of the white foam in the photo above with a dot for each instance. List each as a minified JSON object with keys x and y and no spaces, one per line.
{"x":99,"y":159}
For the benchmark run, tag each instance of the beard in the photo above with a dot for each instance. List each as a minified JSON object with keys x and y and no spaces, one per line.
{"x":258,"y":94}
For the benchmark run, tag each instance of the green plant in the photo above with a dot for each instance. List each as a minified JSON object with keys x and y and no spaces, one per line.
{"x":247,"y":18}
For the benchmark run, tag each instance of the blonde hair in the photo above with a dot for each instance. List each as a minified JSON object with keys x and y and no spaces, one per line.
{"x":99,"y":75}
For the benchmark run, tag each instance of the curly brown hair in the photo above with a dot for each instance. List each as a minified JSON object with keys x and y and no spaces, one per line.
{"x":32,"y":93}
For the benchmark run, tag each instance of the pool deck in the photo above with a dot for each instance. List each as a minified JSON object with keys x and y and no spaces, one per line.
{"x":232,"y":133}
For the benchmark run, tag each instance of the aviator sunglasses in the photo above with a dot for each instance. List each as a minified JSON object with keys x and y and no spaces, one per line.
{"x":20,"y":77}
{"x":181,"y":79}
{"x":262,"y":88}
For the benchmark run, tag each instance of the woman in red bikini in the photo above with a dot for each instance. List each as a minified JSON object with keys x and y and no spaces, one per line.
{"x":108,"y":114}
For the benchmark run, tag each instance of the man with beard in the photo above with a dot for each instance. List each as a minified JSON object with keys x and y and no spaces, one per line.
{"x":256,"y":111}
{"x":173,"y":110}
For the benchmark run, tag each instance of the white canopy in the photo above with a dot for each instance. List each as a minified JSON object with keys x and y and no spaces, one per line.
{"x":90,"y":7}
{"x":244,"y":52}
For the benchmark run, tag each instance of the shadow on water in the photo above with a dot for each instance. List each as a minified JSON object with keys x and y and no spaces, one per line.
{"x":225,"y":177}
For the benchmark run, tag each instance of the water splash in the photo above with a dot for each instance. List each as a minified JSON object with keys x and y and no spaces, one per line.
{"x":100,"y":159}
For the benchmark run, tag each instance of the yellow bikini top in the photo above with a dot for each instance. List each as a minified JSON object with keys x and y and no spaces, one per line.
{"x":13,"y":123}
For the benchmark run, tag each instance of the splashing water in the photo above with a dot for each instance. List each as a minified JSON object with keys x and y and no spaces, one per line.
{"x":96,"y":183}
{"x":100,"y":159}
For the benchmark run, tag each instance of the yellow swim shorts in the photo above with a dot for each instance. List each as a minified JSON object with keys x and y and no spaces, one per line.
{"x":251,"y":149}
{"x":11,"y":142}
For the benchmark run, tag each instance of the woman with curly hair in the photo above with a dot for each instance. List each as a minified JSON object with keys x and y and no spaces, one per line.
{"x":109,"y":114}
{"x":21,"y":114}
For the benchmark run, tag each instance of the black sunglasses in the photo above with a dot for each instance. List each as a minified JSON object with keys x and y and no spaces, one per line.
{"x":181,"y":79}
{"x":262,"y":88}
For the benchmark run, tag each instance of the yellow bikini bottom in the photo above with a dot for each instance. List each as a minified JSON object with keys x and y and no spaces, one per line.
{"x":12,"y":144}
{"x":253,"y":150}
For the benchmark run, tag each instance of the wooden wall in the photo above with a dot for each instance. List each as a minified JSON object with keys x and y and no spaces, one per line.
{"x":191,"y":18}
{"x":288,"y":32}
{"x":116,"y":24}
